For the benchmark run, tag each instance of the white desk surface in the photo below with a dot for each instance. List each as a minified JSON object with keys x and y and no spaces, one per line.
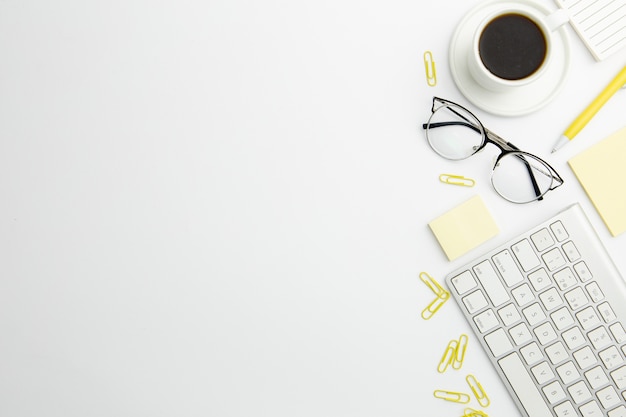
{"x":220,"y":208}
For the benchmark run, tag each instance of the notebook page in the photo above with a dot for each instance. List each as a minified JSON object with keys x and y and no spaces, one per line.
{"x":601,"y":24}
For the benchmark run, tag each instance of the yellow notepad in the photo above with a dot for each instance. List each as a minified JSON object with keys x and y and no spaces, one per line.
{"x":464,"y":227}
{"x":601,"y":170}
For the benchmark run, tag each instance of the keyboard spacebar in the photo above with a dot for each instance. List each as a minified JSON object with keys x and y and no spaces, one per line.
{"x":524,"y":387}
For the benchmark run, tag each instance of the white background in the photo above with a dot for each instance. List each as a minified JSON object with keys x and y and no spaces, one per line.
{"x":220,"y":208}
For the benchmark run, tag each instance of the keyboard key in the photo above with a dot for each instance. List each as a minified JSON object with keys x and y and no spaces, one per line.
{"x":571,"y":251}
{"x":611,"y":358}
{"x":618,"y":412}
{"x":531,"y":353}
{"x":585,"y":357}
{"x":562,"y":318}
{"x":554,"y":392}
{"x":594,"y":291}
{"x":508,"y":268}
{"x":542,"y":239}
{"x":556,"y":353}
{"x":523,"y":386}
{"x":545,"y":333}
{"x":509,"y":314}
{"x":599,"y":338}
{"x":565,"y":410}
{"x":591,"y":409}
{"x":606,"y":312}
{"x":588,"y":318}
{"x":523,"y":295}
{"x":568,"y":372}
{"x":576,"y":298}
{"x":619,"y":376}
{"x":617,"y":330}
{"x":608,"y":397}
{"x":498,"y":342}
{"x":525,"y":255}
{"x":520,"y":334}
{"x":486,"y":321}
{"x":565,"y":279}
{"x":573,"y":338}
{"x":553,"y":259}
{"x":542,"y":372}
{"x":551,"y":299}
{"x":559,"y":231}
{"x":539,"y":279}
{"x":534,"y":314}
{"x":596,"y":377}
{"x":491,"y":283}
{"x":474,"y":302}
{"x":463,"y":282}
{"x":580,"y":393}
{"x":583,"y":272}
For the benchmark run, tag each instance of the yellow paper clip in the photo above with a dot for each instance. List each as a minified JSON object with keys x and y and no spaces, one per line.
{"x":441,"y":293}
{"x":431,"y":70}
{"x":459,"y":354}
{"x":455,"y":397}
{"x":448,"y":356}
{"x":457,"y":180}
{"x":434,"y":306}
{"x":470,"y":412}
{"x":454,"y":354}
{"x":478,"y":390}
{"x":434,"y":285}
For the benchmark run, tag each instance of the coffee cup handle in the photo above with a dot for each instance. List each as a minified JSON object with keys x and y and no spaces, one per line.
{"x":557,"y":19}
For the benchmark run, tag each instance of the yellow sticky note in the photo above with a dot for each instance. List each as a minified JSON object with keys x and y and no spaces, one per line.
{"x":464,"y":227}
{"x":601,"y":170}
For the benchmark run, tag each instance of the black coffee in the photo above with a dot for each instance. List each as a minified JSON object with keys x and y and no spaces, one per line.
{"x":512,"y":46}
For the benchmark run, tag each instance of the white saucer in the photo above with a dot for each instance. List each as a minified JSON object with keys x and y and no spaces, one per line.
{"x":521,"y":100}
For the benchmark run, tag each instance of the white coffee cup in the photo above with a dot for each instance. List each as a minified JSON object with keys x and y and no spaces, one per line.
{"x":512,"y":47}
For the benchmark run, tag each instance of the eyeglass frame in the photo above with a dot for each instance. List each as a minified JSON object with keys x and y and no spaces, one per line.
{"x":488,"y":136}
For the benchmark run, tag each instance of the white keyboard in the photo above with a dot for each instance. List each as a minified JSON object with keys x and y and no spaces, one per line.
{"x":549,"y":308}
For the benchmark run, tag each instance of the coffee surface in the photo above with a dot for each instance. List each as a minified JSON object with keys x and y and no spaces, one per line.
{"x":512,"y":46}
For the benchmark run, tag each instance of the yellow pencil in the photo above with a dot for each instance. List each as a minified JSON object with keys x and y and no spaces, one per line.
{"x":618,"y":82}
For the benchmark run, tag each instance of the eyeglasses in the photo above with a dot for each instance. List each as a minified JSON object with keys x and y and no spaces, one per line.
{"x":519,"y":177}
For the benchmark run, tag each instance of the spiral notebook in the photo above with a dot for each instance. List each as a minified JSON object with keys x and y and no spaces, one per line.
{"x":601,"y":171}
{"x":601,"y":24}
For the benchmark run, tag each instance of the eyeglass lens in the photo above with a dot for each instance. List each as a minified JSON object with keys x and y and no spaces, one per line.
{"x":454,"y":133}
{"x":520,"y":177}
